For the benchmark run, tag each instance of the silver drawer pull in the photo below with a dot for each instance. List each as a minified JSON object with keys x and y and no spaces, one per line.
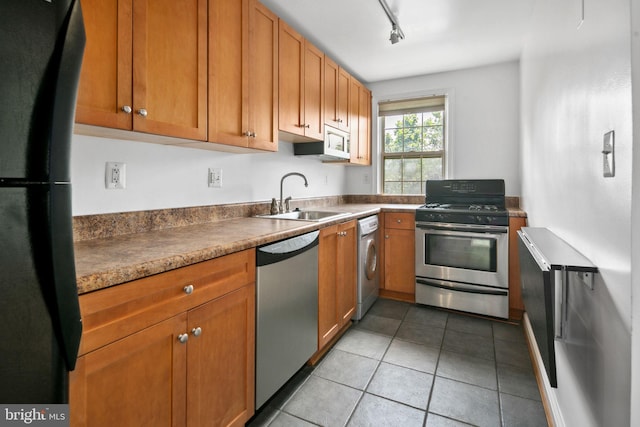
{"x":196,"y":331}
{"x":188,"y":289}
{"x":183,"y":338}
{"x":142,"y":112}
{"x":126,"y":109}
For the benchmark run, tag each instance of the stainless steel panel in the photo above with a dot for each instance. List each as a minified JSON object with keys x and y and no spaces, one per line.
{"x":477,"y":299}
{"x":286,"y":320}
{"x":499,"y":278}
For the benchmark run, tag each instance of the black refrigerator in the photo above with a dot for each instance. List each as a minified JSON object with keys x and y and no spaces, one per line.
{"x":41,"y":48}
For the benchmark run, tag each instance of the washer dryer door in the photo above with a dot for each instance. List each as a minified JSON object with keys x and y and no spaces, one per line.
{"x":371,"y":260}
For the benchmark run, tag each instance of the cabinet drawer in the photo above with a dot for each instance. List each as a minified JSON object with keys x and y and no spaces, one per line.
{"x":402,"y":220}
{"x":113,"y":313}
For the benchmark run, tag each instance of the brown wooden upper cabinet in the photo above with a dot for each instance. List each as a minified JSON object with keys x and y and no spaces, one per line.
{"x":243,"y":74}
{"x":336,"y":95}
{"x":301,"y":87}
{"x":360,"y":126}
{"x":145,"y":66}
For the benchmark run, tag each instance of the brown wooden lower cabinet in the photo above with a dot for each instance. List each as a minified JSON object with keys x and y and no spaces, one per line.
{"x":337,"y":255}
{"x":194,"y":368}
{"x":516,"y":306}
{"x":398,"y":279}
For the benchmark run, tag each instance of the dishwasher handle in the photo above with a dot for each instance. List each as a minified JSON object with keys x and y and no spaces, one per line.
{"x":285,"y":249}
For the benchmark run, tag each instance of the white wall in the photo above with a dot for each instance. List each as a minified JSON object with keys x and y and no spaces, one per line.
{"x":635,"y":216}
{"x":160,"y":177}
{"x":576,"y":85}
{"x":483,"y":120}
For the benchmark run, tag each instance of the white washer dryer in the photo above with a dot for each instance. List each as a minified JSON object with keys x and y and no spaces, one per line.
{"x":368,"y":280}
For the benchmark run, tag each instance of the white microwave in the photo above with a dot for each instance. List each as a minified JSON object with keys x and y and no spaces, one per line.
{"x":336,"y":146}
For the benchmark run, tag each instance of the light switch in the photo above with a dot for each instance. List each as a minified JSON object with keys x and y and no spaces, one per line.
{"x":608,"y":155}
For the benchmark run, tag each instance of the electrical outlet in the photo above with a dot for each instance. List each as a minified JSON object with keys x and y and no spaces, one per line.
{"x":115,"y":176}
{"x":215,"y":177}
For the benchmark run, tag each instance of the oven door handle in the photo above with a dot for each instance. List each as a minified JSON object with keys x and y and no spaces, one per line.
{"x":460,"y":287}
{"x":470,"y":228}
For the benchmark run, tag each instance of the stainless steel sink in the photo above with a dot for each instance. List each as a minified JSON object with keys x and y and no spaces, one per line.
{"x":307,"y":215}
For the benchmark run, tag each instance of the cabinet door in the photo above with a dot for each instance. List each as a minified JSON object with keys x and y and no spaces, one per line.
{"x":331,"y":73}
{"x":399,"y":260}
{"x":360,"y":114}
{"x":336,"y":95}
{"x":138,"y":380}
{"x":228,"y":91}
{"x":291,"y":75}
{"x":344,"y":80}
{"x":347,"y":271}
{"x":221,"y":360}
{"x":364,"y":127}
{"x":354,"y":111}
{"x":313,"y":121}
{"x":105,"y":86}
{"x":170,"y":67}
{"x":516,"y":306}
{"x":328,"y":315}
{"x":243,"y":79}
{"x":263,"y":77}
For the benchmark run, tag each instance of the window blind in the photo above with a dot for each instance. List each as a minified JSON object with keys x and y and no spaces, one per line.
{"x":408,"y":106}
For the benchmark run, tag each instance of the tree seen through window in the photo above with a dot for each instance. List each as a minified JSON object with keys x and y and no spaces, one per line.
{"x":413,"y":150}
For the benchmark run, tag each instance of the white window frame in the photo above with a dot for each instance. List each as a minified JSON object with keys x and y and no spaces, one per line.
{"x":448,"y":95}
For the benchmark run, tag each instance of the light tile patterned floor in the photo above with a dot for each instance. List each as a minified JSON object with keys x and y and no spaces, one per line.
{"x":411,"y":365}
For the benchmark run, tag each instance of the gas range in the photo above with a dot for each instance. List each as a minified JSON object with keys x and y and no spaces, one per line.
{"x":480,"y":202}
{"x":462,"y":247}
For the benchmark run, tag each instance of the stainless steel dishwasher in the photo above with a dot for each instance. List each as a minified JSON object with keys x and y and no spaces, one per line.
{"x":287,"y":311}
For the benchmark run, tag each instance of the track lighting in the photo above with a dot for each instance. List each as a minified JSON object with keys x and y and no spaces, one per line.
{"x":396,"y":32}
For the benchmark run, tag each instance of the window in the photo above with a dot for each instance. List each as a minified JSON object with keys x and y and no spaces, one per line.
{"x":414,"y":143}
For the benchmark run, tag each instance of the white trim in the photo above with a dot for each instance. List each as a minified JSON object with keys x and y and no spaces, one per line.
{"x":449,"y":107}
{"x":548,"y":394}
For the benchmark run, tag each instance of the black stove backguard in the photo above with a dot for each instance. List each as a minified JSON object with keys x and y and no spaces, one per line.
{"x":466,"y":192}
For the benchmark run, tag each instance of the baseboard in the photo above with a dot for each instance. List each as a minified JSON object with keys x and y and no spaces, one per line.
{"x":549,"y":401}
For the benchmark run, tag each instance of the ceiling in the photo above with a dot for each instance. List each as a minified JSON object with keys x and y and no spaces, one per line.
{"x":440,"y":35}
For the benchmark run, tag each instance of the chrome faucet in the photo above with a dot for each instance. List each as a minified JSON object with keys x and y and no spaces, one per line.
{"x":281,"y":206}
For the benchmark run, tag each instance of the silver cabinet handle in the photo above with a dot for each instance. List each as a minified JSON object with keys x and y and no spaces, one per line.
{"x":339,"y":120}
{"x":142,"y":112}
{"x":196,"y":331}
{"x":183,"y":338}
{"x":398,"y":221}
{"x":126,"y":109}
{"x":188,"y":289}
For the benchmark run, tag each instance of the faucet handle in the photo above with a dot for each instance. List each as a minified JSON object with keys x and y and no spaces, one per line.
{"x":287,"y":204}
{"x":274,"y":206}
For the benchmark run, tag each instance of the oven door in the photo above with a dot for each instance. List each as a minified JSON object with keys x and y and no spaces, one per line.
{"x":475,"y":254}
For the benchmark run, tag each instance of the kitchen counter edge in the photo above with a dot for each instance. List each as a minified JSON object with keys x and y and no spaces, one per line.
{"x":106,"y":262}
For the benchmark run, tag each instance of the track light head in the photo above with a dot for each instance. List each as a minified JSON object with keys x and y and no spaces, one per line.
{"x":396,"y":34}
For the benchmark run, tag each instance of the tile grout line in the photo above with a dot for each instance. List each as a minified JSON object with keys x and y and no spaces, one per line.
{"x":364,"y":390}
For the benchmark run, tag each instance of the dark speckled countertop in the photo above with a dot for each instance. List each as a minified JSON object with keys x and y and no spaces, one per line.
{"x":108,"y":258}
{"x":109,"y":261}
